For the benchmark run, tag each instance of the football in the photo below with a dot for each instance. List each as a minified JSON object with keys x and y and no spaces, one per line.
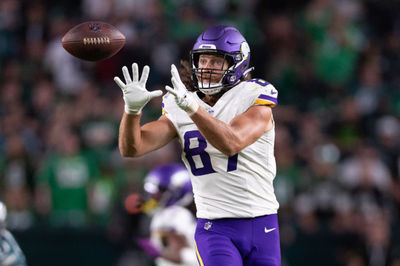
{"x":93,"y":41}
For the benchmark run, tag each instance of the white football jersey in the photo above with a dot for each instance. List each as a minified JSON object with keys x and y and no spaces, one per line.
{"x":240,"y":186}
{"x":180,"y":220}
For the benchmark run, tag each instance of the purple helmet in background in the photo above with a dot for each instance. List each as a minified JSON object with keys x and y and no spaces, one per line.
{"x":225,"y":41}
{"x":170,"y":185}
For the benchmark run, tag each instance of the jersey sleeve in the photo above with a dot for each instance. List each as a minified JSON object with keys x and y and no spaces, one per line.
{"x":264,"y":92}
{"x":169,"y":108}
{"x":165,"y":104}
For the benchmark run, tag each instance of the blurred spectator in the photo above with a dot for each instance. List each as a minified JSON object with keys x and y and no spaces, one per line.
{"x":96,"y":9}
{"x":17,"y":184}
{"x":63,"y":183}
{"x":387,"y":130}
{"x":9,"y":23}
{"x":59,"y":62}
{"x":365,"y":170}
{"x":370,"y":89}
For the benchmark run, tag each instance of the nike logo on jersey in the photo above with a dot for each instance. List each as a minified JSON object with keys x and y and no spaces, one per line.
{"x":273,"y":92}
{"x":268,"y":230}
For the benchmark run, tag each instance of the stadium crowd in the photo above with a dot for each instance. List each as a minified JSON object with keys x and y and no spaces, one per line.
{"x":335,"y":63}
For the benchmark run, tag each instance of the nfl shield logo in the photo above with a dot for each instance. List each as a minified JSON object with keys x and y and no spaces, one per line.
{"x":94,"y":26}
{"x":207,"y":225}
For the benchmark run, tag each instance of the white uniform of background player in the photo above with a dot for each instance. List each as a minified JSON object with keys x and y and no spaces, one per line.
{"x":172,"y":225}
{"x":181,"y":221}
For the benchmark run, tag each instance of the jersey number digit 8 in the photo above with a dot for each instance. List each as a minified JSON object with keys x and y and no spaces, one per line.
{"x":204,"y":156}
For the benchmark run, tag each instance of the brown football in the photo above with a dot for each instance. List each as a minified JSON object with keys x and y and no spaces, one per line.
{"x":93,"y":41}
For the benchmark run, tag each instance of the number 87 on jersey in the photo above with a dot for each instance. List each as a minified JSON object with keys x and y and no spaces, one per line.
{"x":199,"y":151}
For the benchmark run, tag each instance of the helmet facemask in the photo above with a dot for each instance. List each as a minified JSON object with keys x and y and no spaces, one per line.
{"x":211,"y":80}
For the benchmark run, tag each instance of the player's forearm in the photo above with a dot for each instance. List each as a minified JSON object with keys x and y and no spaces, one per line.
{"x":129,"y":135}
{"x":217,"y":133}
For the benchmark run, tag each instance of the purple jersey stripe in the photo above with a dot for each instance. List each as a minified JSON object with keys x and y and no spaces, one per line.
{"x":232,"y":162}
{"x":269,"y":98}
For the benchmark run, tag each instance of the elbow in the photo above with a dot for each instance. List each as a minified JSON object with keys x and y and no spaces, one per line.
{"x":230,"y":150}
{"x":128,"y":153}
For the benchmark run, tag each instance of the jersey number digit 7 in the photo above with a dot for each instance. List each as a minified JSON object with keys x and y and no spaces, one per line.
{"x":204,"y":156}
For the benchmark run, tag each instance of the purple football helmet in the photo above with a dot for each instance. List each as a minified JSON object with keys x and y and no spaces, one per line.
{"x":227,"y":42}
{"x":170,"y":185}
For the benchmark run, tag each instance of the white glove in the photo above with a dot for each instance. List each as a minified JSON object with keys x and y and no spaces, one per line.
{"x":134,"y":90}
{"x":182,"y":96}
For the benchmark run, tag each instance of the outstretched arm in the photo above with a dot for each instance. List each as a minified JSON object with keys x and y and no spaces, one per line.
{"x":134,"y":139}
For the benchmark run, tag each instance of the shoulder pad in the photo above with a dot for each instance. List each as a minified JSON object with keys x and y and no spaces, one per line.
{"x":267,"y":94}
{"x":166,"y":103}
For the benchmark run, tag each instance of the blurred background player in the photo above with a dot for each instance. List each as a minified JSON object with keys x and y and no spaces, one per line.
{"x":10,"y":252}
{"x":173,"y":223}
{"x":227,"y":132}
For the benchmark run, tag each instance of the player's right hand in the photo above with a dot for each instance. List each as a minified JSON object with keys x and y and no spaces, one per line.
{"x":136,"y":96}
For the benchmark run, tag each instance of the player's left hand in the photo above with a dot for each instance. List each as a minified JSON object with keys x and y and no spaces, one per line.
{"x":182,"y":97}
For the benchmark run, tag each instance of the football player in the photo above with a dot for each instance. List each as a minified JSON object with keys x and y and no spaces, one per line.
{"x":10,"y":252}
{"x":173,"y":224}
{"x":225,"y":125}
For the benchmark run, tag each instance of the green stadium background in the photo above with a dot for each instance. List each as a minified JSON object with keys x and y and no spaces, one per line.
{"x":335,"y":63}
